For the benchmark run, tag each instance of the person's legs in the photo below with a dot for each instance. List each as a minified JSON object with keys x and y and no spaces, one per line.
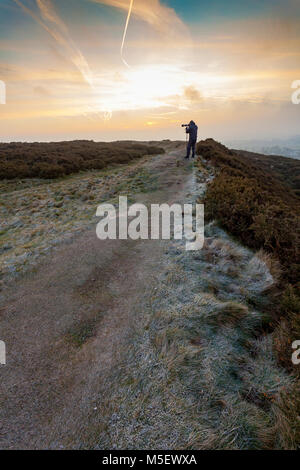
{"x":193,"y":149}
{"x":188,"y":150}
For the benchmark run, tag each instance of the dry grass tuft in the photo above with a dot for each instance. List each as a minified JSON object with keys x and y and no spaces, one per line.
{"x":272,"y":264}
{"x":288,"y":329}
{"x":286,"y":408}
{"x":231,"y":313}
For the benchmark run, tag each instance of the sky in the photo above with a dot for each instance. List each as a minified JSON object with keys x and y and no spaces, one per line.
{"x":72,"y":70}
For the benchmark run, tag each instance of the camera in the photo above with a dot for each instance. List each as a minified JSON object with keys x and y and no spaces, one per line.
{"x":184,"y":125}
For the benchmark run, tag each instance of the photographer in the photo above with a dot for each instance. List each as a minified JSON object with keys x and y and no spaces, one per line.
{"x":192,"y":130}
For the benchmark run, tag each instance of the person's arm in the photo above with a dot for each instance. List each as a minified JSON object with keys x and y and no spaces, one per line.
{"x":187,"y":130}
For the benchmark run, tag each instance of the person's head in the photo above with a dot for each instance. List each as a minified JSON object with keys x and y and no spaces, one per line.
{"x":192,"y":123}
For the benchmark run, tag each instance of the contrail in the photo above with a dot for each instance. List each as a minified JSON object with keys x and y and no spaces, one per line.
{"x":125,"y":32}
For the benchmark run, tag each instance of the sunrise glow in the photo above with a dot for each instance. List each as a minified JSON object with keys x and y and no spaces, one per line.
{"x":66,"y":76}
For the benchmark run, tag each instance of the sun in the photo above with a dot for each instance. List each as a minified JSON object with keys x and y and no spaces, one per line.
{"x":142,"y":87}
{"x":150,"y":86}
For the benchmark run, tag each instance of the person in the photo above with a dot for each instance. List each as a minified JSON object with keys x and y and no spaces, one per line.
{"x":192,"y":130}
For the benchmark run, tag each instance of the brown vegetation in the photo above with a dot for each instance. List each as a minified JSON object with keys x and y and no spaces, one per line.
{"x":287,"y":170}
{"x":254,"y":205}
{"x":255,"y":198}
{"x":259,"y":206}
{"x":56,"y":159}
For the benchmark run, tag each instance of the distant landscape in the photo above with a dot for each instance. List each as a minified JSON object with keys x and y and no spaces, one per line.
{"x":284,"y":147}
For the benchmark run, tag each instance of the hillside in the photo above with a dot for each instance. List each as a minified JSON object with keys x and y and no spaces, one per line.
{"x":255,"y":198}
{"x":140,"y":344}
{"x":286,"y":170}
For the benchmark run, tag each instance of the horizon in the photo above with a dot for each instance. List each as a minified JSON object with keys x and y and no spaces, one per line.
{"x":73,"y":72}
{"x":226,"y":141}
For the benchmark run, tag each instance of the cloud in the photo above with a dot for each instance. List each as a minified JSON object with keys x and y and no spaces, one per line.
{"x":55,"y":26}
{"x":49,"y":14}
{"x":164,"y":39}
{"x":40,"y":90}
{"x":192,"y":94}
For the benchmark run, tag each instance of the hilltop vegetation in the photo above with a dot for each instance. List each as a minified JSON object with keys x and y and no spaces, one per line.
{"x":56,"y":159}
{"x":254,"y":197}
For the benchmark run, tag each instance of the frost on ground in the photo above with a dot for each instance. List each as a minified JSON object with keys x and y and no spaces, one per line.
{"x":198,"y":374}
{"x":138,"y":345}
{"x":37,"y":215}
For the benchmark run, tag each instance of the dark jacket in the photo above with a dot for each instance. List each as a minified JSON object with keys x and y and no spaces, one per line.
{"x":192,"y":130}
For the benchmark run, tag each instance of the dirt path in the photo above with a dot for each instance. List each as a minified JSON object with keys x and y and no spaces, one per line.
{"x":64,"y":326}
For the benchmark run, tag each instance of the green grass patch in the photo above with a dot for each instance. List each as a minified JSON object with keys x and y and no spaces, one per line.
{"x":81,"y":332}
